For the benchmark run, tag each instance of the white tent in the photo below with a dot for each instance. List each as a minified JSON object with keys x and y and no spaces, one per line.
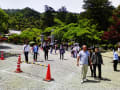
{"x":14,"y":32}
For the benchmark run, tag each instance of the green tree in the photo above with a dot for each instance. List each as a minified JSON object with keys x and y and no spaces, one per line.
{"x":3,"y":21}
{"x":31,"y":34}
{"x":71,"y":18}
{"x":15,"y":38}
{"x":100,"y":11}
{"x":20,"y":19}
{"x":61,"y":13}
{"x":83,"y":32}
{"x":48,"y":17}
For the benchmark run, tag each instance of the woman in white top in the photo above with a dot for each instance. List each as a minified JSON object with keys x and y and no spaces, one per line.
{"x":115,"y":60}
{"x":26,"y":49}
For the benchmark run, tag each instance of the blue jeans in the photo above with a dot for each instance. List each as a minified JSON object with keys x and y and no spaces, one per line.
{"x":51,"y":50}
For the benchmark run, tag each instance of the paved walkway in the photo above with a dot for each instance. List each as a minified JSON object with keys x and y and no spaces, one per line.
{"x":65,"y":73}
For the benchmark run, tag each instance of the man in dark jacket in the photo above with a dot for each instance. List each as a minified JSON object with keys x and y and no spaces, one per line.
{"x":62,"y":51}
{"x":97,"y":61}
{"x":46,"y":50}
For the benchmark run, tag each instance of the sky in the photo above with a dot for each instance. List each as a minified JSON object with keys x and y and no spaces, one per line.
{"x":71,"y":5}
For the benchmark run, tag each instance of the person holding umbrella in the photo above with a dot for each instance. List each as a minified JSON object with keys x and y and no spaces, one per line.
{"x":46,"y":50}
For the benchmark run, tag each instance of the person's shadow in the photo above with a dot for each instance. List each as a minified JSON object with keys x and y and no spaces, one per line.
{"x":97,"y":80}
{"x":92,"y":81}
{"x":41,"y":61}
{"x":50,"y":60}
{"x":105,"y":79}
{"x":4,"y":47}
{"x":118,"y":71}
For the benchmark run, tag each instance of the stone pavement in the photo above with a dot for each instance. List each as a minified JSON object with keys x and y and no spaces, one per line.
{"x":65,"y":73}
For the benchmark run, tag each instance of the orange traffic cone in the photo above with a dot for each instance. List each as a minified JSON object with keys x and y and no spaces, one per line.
{"x":48,"y":75}
{"x":19,"y":59}
{"x":18,"y":70}
{"x":2,"y":56}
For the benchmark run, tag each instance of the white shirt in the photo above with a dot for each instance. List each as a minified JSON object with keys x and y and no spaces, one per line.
{"x":84,"y":57}
{"x":78,"y":48}
{"x":75,"y":48}
{"x":115,"y":56}
{"x":26,"y":48}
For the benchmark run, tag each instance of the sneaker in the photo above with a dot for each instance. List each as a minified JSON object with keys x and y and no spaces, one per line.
{"x":82,"y":82}
{"x":85,"y":80}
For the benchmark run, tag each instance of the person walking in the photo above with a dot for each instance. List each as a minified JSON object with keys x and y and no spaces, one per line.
{"x":115,"y":60}
{"x":97,"y":61}
{"x":46,"y":50}
{"x":62,"y":51}
{"x":26,"y":49}
{"x":51,"y":48}
{"x":75,"y":51}
{"x":78,"y":49}
{"x":72,"y":51}
{"x":66,"y":46}
{"x":35,"y":51}
{"x":82,"y":61}
{"x":55,"y":48}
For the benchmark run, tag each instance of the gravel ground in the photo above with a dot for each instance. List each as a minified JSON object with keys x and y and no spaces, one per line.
{"x":65,"y":73}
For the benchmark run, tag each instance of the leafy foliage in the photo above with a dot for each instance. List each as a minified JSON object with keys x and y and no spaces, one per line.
{"x":27,"y":35}
{"x":31,"y":34}
{"x":85,"y":28}
{"x":99,"y":11}
{"x":113,"y":33}
{"x":79,"y":32}
{"x":3,"y":21}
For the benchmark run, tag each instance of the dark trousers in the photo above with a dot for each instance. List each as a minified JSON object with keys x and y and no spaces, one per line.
{"x":62,"y":56}
{"x":55,"y":51}
{"x":115,"y":62}
{"x":46,"y":55}
{"x":26,"y":56}
{"x":91,"y":69}
{"x":119,"y":59}
{"x":99,"y":70}
{"x":35,"y":56}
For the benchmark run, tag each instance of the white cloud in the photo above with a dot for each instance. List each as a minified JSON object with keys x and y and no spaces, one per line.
{"x":71,"y":5}
{"x":115,"y":3}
